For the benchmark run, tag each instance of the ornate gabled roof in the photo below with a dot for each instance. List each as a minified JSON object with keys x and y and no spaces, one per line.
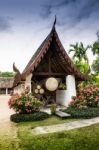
{"x":38,"y":55}
{"x":42,"y":50}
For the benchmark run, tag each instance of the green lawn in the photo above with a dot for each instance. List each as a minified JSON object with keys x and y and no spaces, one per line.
{"x":8,"y":137}
{"x":79,"y":139}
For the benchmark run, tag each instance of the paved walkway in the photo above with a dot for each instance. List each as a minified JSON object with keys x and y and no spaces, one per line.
{"x":6,"y":126}
{"x":5,"y":112}
{"x":65,"y":126}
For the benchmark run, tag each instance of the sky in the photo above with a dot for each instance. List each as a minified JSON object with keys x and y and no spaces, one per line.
{"x":24,"y":24}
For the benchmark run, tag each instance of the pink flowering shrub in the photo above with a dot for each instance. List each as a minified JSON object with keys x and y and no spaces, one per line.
{"x":88,"y":97}
{"x":24,"y":103}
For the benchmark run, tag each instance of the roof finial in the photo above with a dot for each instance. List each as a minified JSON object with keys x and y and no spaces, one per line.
{"x":17,"y":77}
{"x":54,"y":22}
{"x":15,"y":68}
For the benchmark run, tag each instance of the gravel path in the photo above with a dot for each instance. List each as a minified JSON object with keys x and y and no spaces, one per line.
{"x":65,"y":126}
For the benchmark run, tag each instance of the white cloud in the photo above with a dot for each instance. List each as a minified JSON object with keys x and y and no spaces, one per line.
{"x":30,"y":28}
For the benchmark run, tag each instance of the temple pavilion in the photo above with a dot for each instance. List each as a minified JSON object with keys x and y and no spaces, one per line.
{"x":50,"y":73}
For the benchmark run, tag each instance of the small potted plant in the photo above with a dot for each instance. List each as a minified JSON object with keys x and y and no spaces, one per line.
{"x":53,"y":109}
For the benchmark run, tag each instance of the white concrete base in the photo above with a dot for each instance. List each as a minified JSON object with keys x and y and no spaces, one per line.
{"x":63,"y":97}
{"x":28,"y":81}
{"x":6,"y":91}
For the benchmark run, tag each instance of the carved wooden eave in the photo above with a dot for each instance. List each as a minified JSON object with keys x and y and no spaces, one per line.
{"x":65,"y":61}
{"x":17,"y":77}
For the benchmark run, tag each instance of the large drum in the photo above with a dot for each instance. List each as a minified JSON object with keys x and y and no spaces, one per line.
{"x":51,"y":84}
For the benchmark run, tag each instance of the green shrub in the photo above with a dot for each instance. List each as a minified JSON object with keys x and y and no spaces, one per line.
{"x":83,"y":112}
{"x":62,"y":86}
{"x":7,"y":74}
{"x":29,"y":117}
{"x":25,"y":103}
{"x":53,"y":109}
{"x":82,"y":66}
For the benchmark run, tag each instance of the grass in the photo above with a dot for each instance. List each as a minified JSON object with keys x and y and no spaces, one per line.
{"x":10,"y":132}
{"x":79,"y":139}
{"x":9,"y":143}
{"x":22,"y":138}
{"x":8,"y":136}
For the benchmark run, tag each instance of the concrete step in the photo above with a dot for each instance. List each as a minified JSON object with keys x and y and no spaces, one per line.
{"x":62,"y":114}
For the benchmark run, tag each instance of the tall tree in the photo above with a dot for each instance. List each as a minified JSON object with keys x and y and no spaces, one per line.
{"x":95,"y":65}
{"x":95,"y":46}
{"x":82,"y":66}
{"x":79,"y":52}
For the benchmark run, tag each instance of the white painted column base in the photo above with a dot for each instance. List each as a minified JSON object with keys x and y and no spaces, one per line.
{"x":63,"y":97}
{"x":28,"y":81}
{"x":6,"y":91}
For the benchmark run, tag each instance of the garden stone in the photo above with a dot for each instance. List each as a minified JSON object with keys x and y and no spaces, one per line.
{"x":62,"y":114}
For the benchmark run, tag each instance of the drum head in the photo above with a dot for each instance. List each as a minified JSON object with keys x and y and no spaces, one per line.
{"x":51,"y":84}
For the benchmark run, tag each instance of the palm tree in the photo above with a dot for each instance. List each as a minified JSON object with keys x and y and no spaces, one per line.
{"x":95,"y":65}
{"x":79,"y":52}
{"x":95,"y":46}
{"x":80,"y":55}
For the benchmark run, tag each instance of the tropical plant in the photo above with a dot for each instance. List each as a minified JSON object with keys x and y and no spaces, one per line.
{"x":25,"y":103}
{"x":93,"y":79}
{"x":82,"y":66}
{"x":79,"y":51}
{"x":53,"y":109}
{"x":95,"y":46}
{"x":62,"y":86}
{"x":95,"y":65}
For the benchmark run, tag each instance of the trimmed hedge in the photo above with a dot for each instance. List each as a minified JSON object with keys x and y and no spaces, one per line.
{"x":29,"y":117}
{"x":86,"y":113}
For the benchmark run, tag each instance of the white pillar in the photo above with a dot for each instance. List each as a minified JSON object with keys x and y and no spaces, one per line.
{"x":63,"y":97}
{"x":71,"y":87}
{"x":28,"y":81}
{"x":6,"y":91}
